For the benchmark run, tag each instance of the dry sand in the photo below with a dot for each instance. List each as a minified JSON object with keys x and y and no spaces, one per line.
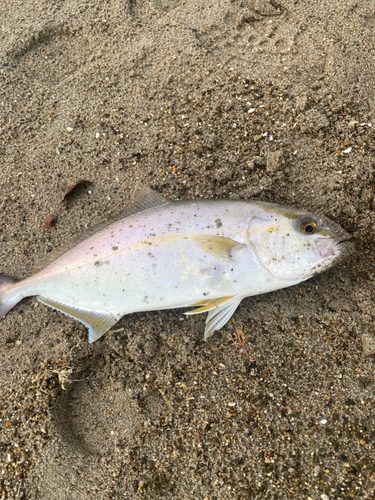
{"x":159,"y":91}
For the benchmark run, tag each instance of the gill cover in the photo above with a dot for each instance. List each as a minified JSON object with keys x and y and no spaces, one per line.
{"x":288,"y":242}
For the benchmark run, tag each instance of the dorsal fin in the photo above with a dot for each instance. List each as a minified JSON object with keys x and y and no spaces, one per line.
{"x":143,"y":199}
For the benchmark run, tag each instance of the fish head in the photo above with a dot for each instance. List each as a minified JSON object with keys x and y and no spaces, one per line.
{"x":295,"y":245}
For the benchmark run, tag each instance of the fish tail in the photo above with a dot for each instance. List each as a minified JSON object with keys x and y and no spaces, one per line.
{"x":7,"y":298}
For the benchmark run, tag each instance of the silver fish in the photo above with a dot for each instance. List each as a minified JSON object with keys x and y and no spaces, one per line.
{"x":161,"y":254}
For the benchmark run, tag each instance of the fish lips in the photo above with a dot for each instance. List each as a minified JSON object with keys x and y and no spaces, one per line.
{"x":327,"y":247}
{"x":338,"y":243}
{"x":331,"y":247}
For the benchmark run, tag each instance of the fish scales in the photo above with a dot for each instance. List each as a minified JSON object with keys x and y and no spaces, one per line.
{"x":163,"y":255}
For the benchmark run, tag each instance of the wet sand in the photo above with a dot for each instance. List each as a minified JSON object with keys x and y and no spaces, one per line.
{"x":235,"y":99}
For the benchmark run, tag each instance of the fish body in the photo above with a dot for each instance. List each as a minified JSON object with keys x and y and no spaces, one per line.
{"x":163,"y":255}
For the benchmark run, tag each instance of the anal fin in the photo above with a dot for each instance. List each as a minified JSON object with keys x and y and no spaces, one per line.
{"x":97,"y":323}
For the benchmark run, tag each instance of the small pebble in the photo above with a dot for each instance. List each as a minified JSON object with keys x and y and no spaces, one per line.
{"x":323,"y":421}
{"x":69,"y":129}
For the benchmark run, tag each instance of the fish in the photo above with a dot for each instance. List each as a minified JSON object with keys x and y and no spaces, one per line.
{"x":160,"y":254}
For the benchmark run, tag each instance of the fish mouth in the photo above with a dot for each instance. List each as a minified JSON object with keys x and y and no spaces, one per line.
{"x":328,"y":247}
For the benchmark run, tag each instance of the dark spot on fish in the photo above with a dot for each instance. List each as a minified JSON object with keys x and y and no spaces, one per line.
{"x":218,"y":223}
{"x":98,"y":263}
{"x":114,"y":248}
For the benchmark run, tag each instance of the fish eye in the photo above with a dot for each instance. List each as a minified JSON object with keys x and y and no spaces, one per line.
{"x":307,"y":225}
{"x":309,"y":228}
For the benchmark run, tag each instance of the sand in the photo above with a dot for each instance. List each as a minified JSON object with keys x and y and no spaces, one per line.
{"x":272,"y":100}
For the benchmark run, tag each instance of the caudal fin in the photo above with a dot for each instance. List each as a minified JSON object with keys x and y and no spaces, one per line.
{"x":7,"y":298}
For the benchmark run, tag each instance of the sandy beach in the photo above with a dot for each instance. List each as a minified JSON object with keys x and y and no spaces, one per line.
{"x":239,"y":99}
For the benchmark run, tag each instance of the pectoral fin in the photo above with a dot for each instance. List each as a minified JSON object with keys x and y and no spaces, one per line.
{"x":217,"y":246}
{"x":96,"y":322}
{"x":219,"y":312}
